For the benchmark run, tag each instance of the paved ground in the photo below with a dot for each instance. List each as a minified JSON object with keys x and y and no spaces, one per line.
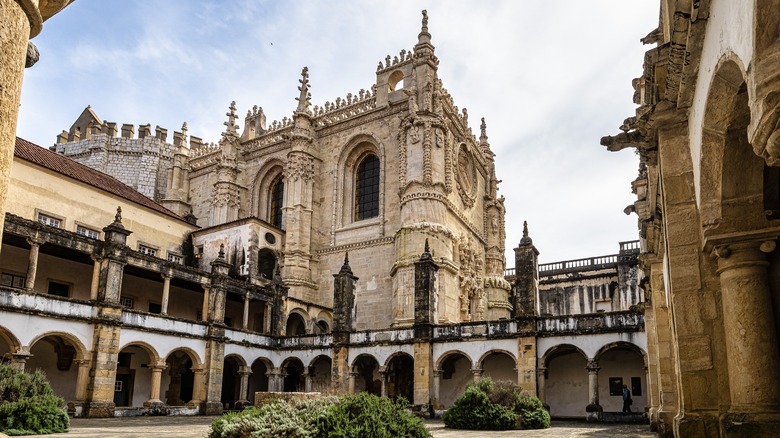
{"x":197,"y":427}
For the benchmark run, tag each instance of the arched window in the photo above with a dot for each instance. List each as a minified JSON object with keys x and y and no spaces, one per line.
{"x":277,"y":199}
{"x":367,"y":188}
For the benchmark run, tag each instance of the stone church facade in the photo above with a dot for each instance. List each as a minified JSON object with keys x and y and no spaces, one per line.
{"x":706,"y":130}
{"x":354,"y":246}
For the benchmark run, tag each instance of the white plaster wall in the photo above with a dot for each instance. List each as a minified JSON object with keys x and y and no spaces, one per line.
{"x":45,"y":359}
{"x":729,"y":31}
{"x":590,"y":344}
{"x":475,"y":349}
{"x":566,"y":387}
{"x":500,"y":367}
{"x":380,"y":352}
{"x":625,"y":364}
{"x":28,"y":327}
{"x":251,"y":354}
{"x":163,"y":344}
{"x":452,"y":388}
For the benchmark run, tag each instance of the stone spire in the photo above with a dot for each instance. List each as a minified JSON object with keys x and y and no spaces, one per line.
{"x":345,"y":268}
{"x":231,"y":128}
{"x":526,"y":240}
{"x":423,"y":50}
{"x":305,"y":96}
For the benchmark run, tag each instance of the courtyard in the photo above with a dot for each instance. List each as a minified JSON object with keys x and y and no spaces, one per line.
{"x":197,"y":427}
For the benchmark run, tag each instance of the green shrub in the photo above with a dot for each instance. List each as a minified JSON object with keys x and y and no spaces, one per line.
{"x":366,"y":415}
{"x":28,"y":405}
{"x":489,"y":405}
{"x":360,"y":415}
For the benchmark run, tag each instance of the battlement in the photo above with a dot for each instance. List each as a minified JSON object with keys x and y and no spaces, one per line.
{"x":405,"y":56}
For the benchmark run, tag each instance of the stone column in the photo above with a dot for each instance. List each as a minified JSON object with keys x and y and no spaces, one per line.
{"x":436,"y":389}
{"x":274,"y":376}
{"x":165,"y":292}
{"x":93,"y":288}
{"x":352,"y":376}
{"x":19,"y":359}
{"x":477,"y":372}
{"x":383,"y":381}
{"x":307,"y":380}
{"x":243,"y":387}
{"x":198,"y":386}
{"x":594,"y":409}
{"x":245,"y":319}
{"x":32,"y":263}
{"x":82,"y":380}
{"x":154,"y":386}
{"x":541,"y":377}
{"x":751,"y":340}
{"x":204,"y":312}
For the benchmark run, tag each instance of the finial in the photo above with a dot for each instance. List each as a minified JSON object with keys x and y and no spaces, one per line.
{"x":184,"y":128}
{"x":425,"y":21}
{"x":426,"y":255}
{"x":346,"y":257}
{"x":525,"y":240}
{"x":118,"y":216}
{"x":232,"y":128}
{"x":345,"y":269}
{"x":303,"y":99}
{"x":221,"y":254}
{"x":483,"y":132}
{"x":427,"y":249}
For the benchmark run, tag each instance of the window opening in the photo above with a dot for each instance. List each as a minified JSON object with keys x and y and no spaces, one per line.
{"x":367,"y":188}
{"x":49,"y":220}
{"x":277,"y":200}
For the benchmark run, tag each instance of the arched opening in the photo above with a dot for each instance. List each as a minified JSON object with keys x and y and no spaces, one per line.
{"x":500,"y":365}
{"x":400,"y":377}
{"x":395,"y":81}
{"x":320,"y":372}
{"x":258,"y":380}
{"x":292,"y":370}
{"x":133,"y":375}
{"x":455,"y":375}
{"x":276,"y":202}
{"x":321,"y":327}
{"x":266,"y":263}
{"x":8,"y":345}
{"x":55,"y":355}
{"x":367,"y":188}
{"x":566,"y":385}
{"x":367,"y":378}
{"x":178,"y":378}
{"x":622,"y":364}
{"x":231,"y":381}
{"x":296,"y":326}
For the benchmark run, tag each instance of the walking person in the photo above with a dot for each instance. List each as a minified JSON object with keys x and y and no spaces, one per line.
{"x":627,"y":402}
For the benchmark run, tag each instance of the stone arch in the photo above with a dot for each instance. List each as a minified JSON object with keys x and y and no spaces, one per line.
{"x":367,"y":377}
{"x":395,"y":78}
{"x":399,"y":376}
{"x":356,"y":149}
{"x":81,"y":351}
{"x":267,"y":174}
{"x":178,"y":376}
{"x":320,"y":373}
{"x":292,"y":372}
{"x":455,"y":373}
{"x":258,"y":380}
{"x":192,"y":354}
{"x":151,"y":351}
{"x":267,"y":259}
{"x":731,"y":174}
{"x":566,"y":384}
{"x":133,"y":374}
{"x":231,"y":379}
{"x":9,"y":344}
{"x":622,"y":363}
{"x":499,"y":365}
{"x":296,"y":324}
{"x":323,"y":322}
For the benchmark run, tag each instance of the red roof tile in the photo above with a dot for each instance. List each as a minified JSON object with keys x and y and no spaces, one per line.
{"x":70,"y":168}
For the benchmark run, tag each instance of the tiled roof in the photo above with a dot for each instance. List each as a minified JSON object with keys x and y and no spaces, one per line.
{"x":65,"y":166}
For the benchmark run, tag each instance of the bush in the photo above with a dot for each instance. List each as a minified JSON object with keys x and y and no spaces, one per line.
{"x":28,"y":405}
{"x":360,"y":415}
{"x":488,"y":405}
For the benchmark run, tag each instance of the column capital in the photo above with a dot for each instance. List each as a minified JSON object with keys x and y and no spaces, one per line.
{"x":157,"y":367}
{"x":35,"y":241}
{"x":592,"y":366}
{"x":541,"y":371}
{"x":82,"y":362}
{"x":166,"y":275}
{"x":477,"y":371}
{"x":438,"y":372}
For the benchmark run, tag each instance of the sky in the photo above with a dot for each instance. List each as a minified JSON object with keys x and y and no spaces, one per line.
{"x":551,"y":77}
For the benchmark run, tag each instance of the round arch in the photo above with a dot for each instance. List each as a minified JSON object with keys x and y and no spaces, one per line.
{"x":81,"y":351}
{"x":446,"y":355}
{"x":258,"y":380}
{"x":292,"y":371}
{"x":296,"y":324}
{"x":178,"y":376}
{"x":367,"y":378}
{"x":151,"y":351}
{"x":196,"y":363}
{"x":499,"y":365}
{"x":455,"y":373}
{"x":399,"y":376}
{"x":559,"y":350}
{"x":10,"y":339}
{"x":261,"y":187}
{"x":620,"y":344}
{"x":320,"y":372}
{"x":622,"y":363}
{"x":355,"y":150}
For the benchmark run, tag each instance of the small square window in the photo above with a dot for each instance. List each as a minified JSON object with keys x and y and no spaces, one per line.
{"x":12,"y":280}
{"x":59,"y":289}
{"x":49,"y":220}
{"x":155,"y":308}
{"x":143,"y":249}
{"x":175,"y":258}
{"x":126,"y":302}
{"x":118,"y":386}
{"x":89,"y":232}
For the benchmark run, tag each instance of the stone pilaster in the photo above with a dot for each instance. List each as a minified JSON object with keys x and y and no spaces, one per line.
{"x":526,"y":287}
{"x":426,"y":294}
{"x":215,"y":337}
{"x":541,"y":377}
{"x":344,"y":298}
{"x":243,"y":387}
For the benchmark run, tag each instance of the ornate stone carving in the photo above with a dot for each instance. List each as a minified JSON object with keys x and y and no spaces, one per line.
{"x":466,"y":177}
{"x":470,"y":279}
{"x":299,"y":166}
